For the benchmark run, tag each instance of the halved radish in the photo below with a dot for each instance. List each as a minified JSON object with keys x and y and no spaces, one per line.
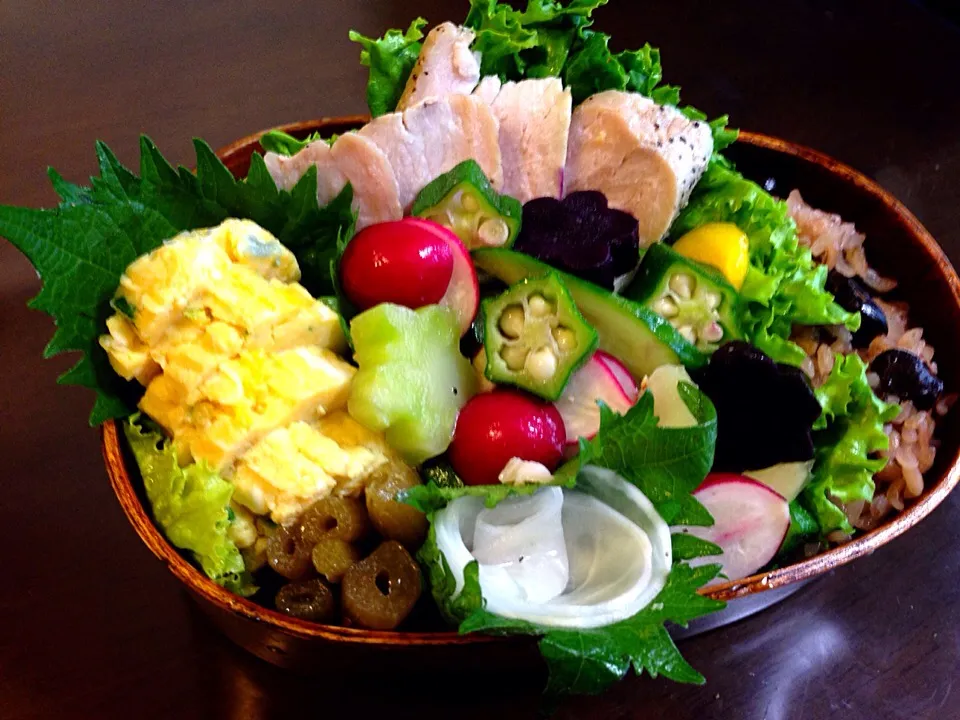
{"x":411,"y":262}
{"x":620,"y":372}
{"x":596,"y":380}
{"x":750,"y":522}
{"x":463,"y":292}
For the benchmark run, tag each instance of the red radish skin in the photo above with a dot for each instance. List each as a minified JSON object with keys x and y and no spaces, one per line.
{"x":596,"y":380}
{"x":462,"y":294}
{"x":623,"y":376}
{"x":496,"y":426}
{"x":750,"y":523}
{"x":396,"y":262}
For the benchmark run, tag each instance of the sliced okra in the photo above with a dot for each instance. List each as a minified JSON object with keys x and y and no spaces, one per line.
{"x":535,"y":337}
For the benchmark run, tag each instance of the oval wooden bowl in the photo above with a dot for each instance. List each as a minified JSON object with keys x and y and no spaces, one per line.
{"x":898,"y":245}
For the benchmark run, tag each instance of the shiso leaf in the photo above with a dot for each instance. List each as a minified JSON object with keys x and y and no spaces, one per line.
{"x":589,"y":661}
{"x":81,"y":248}
{"x":666,"y":464}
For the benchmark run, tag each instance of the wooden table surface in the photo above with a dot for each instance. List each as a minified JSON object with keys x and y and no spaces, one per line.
{"x":91,"y":626}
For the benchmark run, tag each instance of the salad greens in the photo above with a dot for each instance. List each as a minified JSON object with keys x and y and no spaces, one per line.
{"x":784,"y":286}
{"x":666,"y":464}
{"x":850,"y":434}
{"x":546,"y":39}
{"x":81,"y":248}
{"x":390,"y":59}
{"x":190,"y":504}
{"x":284,"y":143}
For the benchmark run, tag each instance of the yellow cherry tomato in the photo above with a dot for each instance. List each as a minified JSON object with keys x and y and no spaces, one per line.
{"x":720,"y":245}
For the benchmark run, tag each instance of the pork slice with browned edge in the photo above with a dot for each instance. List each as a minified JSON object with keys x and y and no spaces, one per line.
{"x":646,"y":158}
{"x":445,"y":65}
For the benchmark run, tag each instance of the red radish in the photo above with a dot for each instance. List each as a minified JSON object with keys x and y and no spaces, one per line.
{"x":602,"y":377}
{"x":411,"y":262}
{"x":619,"y":370}
{"x":496,"y":426}
{"x":750,"y":522}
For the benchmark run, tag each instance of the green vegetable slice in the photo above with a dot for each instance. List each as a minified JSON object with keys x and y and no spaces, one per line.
{"x":535,"y":337}
{"x":695,"y":299}
{"x":464,"y":201}
{"x":190,"y":504}
{"x":635,"y":335}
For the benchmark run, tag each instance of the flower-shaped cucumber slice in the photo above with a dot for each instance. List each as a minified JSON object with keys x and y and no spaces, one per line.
{"x":412,"y":379}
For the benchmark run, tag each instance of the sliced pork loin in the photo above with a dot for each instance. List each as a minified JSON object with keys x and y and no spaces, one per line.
{"x":286,"y":171}
{"x":351,"y":159}
{"x":534,"y":117}
{"x":445,"y":65}
{"x":430,"y":138}
{"x":488,"y":89}
{"x":376,"y":193}
{"x":644,"y":157}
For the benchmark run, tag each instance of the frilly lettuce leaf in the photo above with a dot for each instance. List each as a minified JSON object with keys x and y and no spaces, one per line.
{"x":784,"y":286}
{"x":850,"y":434}
{"x":190,"y":504}
{"x":391,"y":59}
{"x":284,"y":143}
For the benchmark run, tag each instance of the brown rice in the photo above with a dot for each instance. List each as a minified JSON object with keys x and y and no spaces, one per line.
{"x":912,"y":449}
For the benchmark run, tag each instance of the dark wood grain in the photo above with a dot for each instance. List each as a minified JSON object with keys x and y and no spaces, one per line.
{"x":93,"y":627}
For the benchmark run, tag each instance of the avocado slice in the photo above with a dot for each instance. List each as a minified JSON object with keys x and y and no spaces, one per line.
{"x":635,"y":335}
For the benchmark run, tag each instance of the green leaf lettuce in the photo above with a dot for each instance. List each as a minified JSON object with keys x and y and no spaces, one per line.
{"x":390,"y":59}
{"x":848,"y":439}
{"x":190,"y":504}
{"x":784,"y":286}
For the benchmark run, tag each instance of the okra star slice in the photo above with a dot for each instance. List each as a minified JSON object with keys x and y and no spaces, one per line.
{"x":463,"y":200}
{"x":535,"y":337}
{"x":697,"y":300}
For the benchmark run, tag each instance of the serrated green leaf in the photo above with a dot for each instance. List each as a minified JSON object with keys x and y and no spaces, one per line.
{"x":81,"y":248}
{"x":666,"y":464}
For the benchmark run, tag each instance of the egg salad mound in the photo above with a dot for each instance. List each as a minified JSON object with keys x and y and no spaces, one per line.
{"x":242,"y":368}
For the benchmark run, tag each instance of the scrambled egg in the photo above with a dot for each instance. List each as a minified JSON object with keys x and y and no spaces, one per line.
{"x":298,"y":464}
{"x":240,"y":368}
